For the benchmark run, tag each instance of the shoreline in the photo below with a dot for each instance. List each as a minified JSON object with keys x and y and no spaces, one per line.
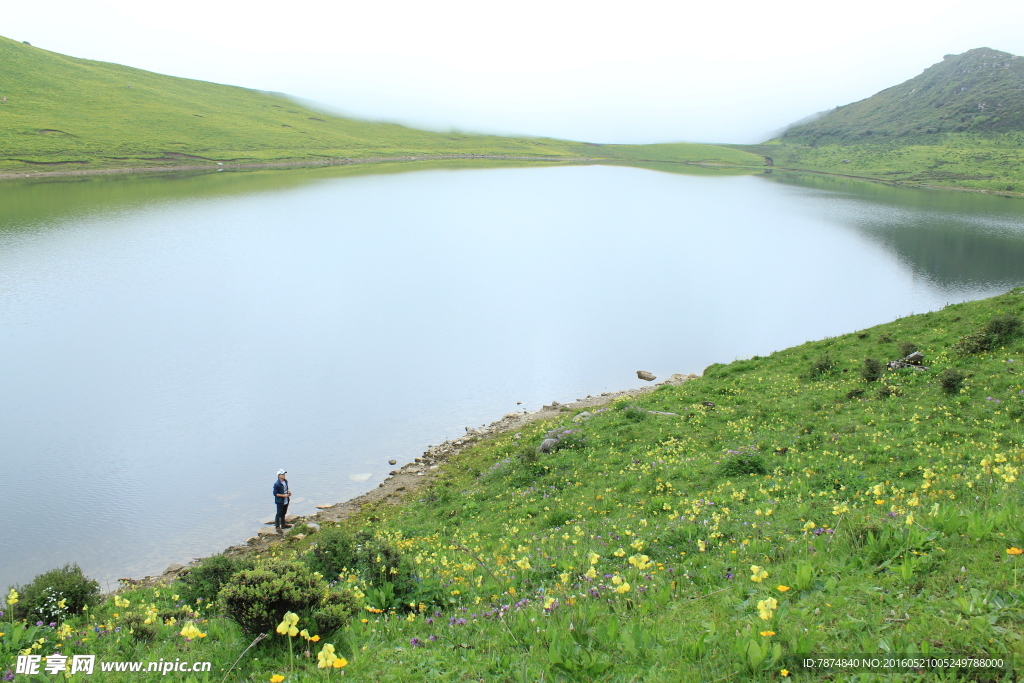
{"x":405,"y":479}
{"x":338,"y":161}
{"x":347,"y":161}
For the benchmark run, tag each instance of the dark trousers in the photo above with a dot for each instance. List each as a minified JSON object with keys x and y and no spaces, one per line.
{"x":282,"y":509}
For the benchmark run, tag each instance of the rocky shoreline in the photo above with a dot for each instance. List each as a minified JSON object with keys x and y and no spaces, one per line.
{"x":405,"y":480}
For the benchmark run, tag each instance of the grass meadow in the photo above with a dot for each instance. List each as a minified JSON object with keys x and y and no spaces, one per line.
{"x":811,"y":503}
{"x":68,"y":114}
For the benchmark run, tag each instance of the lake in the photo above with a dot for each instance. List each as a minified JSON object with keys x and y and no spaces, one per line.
{"x":169,"y":342}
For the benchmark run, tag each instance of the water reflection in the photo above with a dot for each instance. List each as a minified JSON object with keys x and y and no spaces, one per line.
{"x":957,"y":240}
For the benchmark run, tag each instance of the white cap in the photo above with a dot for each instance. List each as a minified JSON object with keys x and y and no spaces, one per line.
{"x":282,"y":472}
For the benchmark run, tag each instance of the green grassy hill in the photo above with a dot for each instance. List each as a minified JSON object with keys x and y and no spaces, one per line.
{"x":958,"y":124}
{"x":64,"y":113}
{"x":811,"y":503}
{"x":979,"y":91}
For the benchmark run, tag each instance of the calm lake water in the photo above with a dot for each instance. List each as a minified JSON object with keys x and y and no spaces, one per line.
{"x":166,"y":344}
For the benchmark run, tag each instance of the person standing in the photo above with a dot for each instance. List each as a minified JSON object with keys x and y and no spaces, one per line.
{"x":282,"y":495}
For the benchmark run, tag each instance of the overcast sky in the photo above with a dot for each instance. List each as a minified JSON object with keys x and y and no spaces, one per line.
{"x":641,"y":71}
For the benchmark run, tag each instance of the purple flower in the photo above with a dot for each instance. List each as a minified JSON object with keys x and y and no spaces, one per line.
{"x":415,"y":642}
{"x":432,"y":637}
{"x":9,"y":675}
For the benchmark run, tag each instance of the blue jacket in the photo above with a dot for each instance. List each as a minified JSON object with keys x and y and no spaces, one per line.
{"x":280,"y":487}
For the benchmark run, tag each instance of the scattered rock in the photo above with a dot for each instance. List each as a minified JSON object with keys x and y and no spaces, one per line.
{"x":646,"y":376}
{"x":658,"y":412}
{"x":517,"y":436}
{"x":174,"y":568}
{"x":912,"y":360}
{"x":546,"y":445}
{"x":392,"y":462}
{"x":708,"y":404}
{"x":323,"y":507}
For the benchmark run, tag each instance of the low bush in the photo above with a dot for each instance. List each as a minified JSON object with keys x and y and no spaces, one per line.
{"x":873,"y":370}
{"x":907,"y":348}
{"x":822,"y":365}
{"x":207,"y":578}
{"x":998,"y":330}
{"x":41,"y":598}
{"x":374,"y":559}
{"x":338,"y":610}
{"x":951,"y":380}
{"x":741,"y":463}
{"x":256,"y":599}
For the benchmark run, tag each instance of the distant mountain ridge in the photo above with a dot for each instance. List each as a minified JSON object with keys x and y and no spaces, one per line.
{"x":979,"y":91}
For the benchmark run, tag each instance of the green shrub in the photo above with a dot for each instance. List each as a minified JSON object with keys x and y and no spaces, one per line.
{"x":207,"y":578}
{"x":907,"y":348}
{"x":822,"y":365}
{"x":975,"y":342}
{"x":998,"y":330}
{"x":951,"y":380}
{"x":635,"y":413}
{"x":873,"y":370}
{"x":39,"y":599}
{"x":1003,"y":327}
{"x":256,"y":599}
{"x":1015,"y":406}
{"x":374,"y":559}
{"x":140,"y":630}
{"x":742,"y":462}
{"x":339,"y":609}
{"x":888,"y":391}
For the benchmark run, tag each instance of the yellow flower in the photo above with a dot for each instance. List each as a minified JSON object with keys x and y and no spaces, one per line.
{"x":276,"y":678}
{"x":591,"y":574}
{"x":781,"y":588}
{"x":809,"y":526}
{"x":190,"y":631}
{"x":1014,"y":551}
{"x":121,"y":602}
{"x":766,"y":607}
{"x":910,"y":519}
{"x":641,"y":562}
{"x":619,"y":553}
{"x":287,"y":625}
{"x":624,"y":588}
{"x":593,"y":558}
{"x":304,"y":633}
{"x":784,"y":673}
{"x":616,"y":579}
{"x":564,"y":577}
{"x":549,"y":602}
{"x":12,"y":597}
{"x":524,"y":563}
{"x":758,"y":574}
{"x":767,"y":634}
{"x":326,"y":658}
{"x":701,"y":546}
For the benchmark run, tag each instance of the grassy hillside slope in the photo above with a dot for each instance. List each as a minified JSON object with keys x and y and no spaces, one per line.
{"x":66,"y":113}
{"x":958,"y":124}
{"x":979,"y":91}
{"x":808,"y":503}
